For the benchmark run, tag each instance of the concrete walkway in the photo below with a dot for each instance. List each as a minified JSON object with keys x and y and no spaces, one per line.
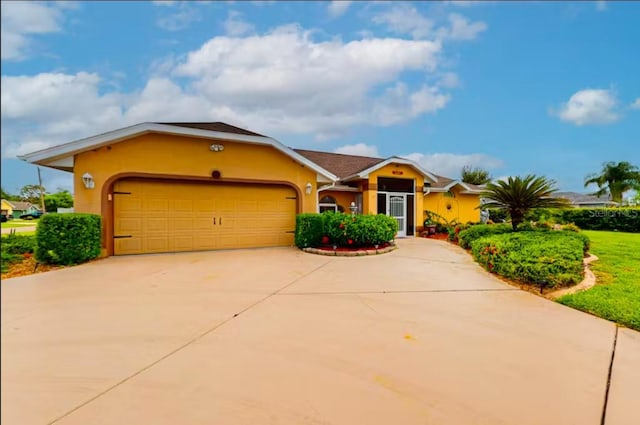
{"x":418,"y":336}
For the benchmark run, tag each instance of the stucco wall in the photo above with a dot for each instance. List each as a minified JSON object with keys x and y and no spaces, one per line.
{"x":463,"y":206}
{"x":343,"y":199}
{"x":399,"y":171}
{"x":186,"y":156}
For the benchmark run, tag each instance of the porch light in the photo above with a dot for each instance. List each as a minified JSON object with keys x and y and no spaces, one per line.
{"x":308,"y":188}
{"x":87,"y":179}
{"x":353,"y":208}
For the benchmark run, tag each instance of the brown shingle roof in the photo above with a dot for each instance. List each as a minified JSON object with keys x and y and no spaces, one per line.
{"x":22,"y":206}
{"x":214,"y":126}
{"x":339,"y":164}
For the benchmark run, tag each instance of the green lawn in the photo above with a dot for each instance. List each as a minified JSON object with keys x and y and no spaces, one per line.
{"x":616,"y":295}
{"x":18,"y":223}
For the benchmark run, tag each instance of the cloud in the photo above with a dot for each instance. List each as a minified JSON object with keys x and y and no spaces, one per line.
{"x":636,"y":104}
{"x":406,"y":19}
{"x":167,"y":3}
{"x":22,"y":20}
{"x":235,"y":26}
{"x":590,"y":106}
{"x":177,"y":21}
{"x":462,"y":29}
{"x":358,"y":149}
{"x":338,"y":8}
{"x":450,"y":165}
{"x":449,"y":80}
{"x":601,"y":5}
{"x":316,"y":88}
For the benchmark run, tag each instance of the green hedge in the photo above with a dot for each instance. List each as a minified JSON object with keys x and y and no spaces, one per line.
{"x":624,"y":219}
{"x":341,"y":229}
{"x":15,"y":243}
{"x":309,"y":230}
{"x":470,"y":234}
{"x":68,"y":238}
{"x":547,"y":259}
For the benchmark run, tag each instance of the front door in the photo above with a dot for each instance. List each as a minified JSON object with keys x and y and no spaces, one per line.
{"x":397,"y":209}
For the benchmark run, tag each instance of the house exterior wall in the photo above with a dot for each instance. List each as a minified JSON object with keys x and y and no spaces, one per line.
{"x":399,"y":171}
{"x":163,"y":154}
{"x":343,"y":199}
{"x":463,"y":206}
{"x":6,"y":206}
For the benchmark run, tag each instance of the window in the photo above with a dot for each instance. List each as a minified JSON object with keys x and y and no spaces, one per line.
{"x":328,"y":203}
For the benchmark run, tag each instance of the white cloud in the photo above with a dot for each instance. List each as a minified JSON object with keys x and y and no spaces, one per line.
{"x":636,"y":104}
{"x":405,"y":19}
{"x":450,"y":165}
{"x":22,"y":20}
{"x":449,"y":80}
{"x":358,"y":149}
{"x":177,"y":21}
{"x":590,"y":106}
{"x":601,"y":5}
{"x":168,"y":3}
{"x":338,"y":8}
{"x":317,"y":88}
{"x":462,"y":29}
{"x":235,"y":26}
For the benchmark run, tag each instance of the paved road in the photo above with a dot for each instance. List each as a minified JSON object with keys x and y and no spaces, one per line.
{"x":19,"y":229}
{"x":418,"y":336}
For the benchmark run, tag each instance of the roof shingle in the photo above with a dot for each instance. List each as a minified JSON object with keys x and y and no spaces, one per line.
{"x":214,"y":126}
{"x":340,"y":164}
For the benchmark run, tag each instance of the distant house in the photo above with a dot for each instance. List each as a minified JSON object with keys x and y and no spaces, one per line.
{"x":7,"y":208}
{"x":20,"y":208}
{"x":581,"y":200}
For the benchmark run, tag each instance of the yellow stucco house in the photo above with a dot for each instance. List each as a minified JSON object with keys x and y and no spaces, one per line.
{"x":166,"y":187}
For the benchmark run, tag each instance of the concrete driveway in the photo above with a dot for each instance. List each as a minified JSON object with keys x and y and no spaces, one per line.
{"x":277,"y":336}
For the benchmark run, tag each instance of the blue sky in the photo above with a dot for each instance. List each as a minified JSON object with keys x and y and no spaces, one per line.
{"x":549,"y":88}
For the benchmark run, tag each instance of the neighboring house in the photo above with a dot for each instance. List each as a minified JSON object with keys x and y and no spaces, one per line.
{"x":7,"y":207}
{"x":21,"y":208}
{"x":582,"y":200}
{"x":165,"y":187}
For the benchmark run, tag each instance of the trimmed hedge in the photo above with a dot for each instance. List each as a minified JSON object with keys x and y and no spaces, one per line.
{"x":309,"y":230}
{"x":341,"y":229}
{"x":15,"y":243}
{"x":623,"y":219}
{"x":548,"y":259}
{"x":465,"y":237}
{"x":68,"y":238}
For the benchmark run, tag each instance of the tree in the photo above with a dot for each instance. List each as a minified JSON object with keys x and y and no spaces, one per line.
{"x":60,"y":199}
{"x":475,"y":175}
{"x":8,"y":196}
{"x":31,"y":193}
{"x":615,"y":179}
{"x":518,"y":195}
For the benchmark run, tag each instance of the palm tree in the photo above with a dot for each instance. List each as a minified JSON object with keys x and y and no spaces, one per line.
{"x":518,"y":195}
{"x":615,"y":179}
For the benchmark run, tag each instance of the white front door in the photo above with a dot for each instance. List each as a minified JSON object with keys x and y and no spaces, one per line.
{"x":397,"y":209}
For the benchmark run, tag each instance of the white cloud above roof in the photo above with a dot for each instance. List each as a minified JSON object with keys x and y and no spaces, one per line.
{"x":589,"y":107}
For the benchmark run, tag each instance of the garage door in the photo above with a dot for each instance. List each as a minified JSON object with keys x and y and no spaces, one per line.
{"x":158,"y":216}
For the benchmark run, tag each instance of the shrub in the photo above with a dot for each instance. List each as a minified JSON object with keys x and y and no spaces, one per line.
{"x":547,"y":259}
{"x":620,"y":219}
{"x":465,"y":237}
{"x":15,"y":243}
{"x":498,"y":215}
{"x":344,"y":229}
{"x":68,"y":238}
{"x":7,"y":259}
{"x":309,"y":230}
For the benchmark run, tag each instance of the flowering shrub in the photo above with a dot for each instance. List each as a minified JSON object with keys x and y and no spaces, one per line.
{"x":344,"y":230}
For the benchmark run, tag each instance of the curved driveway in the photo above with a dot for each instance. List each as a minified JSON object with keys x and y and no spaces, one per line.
{"x":277,"y":336}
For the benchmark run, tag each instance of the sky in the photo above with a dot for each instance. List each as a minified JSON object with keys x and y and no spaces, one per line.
{"x":549,"y":88}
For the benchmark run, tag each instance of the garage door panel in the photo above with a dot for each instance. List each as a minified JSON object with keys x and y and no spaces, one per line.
{"x":179,"y":216}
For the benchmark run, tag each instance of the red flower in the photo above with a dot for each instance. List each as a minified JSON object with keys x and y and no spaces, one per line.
{"x":325,"y":240}
{"x":350,"y":241}
{"x":342,"y":225}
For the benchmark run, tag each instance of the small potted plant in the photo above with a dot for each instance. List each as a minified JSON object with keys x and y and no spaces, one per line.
{"x":429,"y":225}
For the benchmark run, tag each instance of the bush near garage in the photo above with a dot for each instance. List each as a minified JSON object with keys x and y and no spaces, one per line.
{"x":548,"y":259}
{"x":344,"y":230}
{"x":68,"y":238}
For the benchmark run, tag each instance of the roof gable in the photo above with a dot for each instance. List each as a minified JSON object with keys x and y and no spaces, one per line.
{"x":363,"y":174}
{"x":61,"y":156}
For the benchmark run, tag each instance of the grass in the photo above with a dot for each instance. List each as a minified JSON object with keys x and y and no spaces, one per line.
{"x":11,"y":224}
{"x":616,"y":296}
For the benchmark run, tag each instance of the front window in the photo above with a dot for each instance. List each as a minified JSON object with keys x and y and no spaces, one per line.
{"x":328,"y":203}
